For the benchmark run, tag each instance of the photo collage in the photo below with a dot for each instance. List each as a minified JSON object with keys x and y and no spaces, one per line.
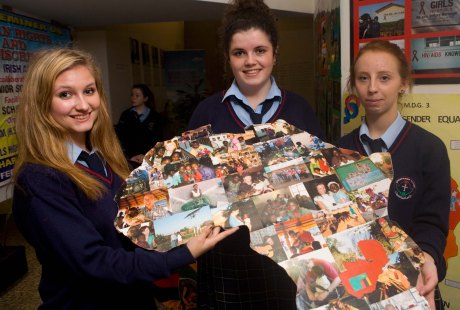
{"x":319,"y":211}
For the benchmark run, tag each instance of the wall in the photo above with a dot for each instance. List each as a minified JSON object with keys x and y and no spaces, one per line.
{"x":115,"y":61}
{"x":295,"y":66}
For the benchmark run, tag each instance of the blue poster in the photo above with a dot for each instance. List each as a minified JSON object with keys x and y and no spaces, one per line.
{"x":20,"y":36}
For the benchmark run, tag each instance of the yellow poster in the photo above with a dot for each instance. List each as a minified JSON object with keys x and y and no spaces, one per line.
{"x":439,"y":114}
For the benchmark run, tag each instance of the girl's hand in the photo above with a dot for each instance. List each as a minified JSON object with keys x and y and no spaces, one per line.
{"x":208,"y":238}
{"x":428,"y":279}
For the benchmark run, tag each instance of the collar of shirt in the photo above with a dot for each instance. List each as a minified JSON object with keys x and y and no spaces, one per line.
{"x":234,"y":93}
{"x":74,"y":152}
{"x":389,"y":135}
{"x":144,"y":113}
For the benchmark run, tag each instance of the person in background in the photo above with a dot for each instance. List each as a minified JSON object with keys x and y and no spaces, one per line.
{"x":249,"y":41}
{"x":70,"y":166}
{"x":419,"y":194}
{"x":140,"y":126}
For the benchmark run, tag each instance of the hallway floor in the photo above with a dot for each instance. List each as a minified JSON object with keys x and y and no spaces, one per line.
{"x":22,"y":295}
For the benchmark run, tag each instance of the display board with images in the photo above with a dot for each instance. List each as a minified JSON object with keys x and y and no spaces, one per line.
{"x":319,"y":211}
{"x":427,"y":31}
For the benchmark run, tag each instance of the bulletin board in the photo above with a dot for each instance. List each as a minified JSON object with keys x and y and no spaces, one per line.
{"x":427,"y":31}
{"x":20,"y":37}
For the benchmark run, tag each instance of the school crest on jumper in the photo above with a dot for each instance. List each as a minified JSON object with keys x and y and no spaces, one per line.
{"x":404,"y":187}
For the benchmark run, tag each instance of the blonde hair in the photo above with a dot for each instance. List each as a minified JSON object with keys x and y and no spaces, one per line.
{"x":41,"y":140}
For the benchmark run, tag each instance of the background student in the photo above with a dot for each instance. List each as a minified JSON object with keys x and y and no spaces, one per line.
{"x":69,"y":168}
{"x":250,"y":45}
{"x":419,"y":198}
{"x":140,"y":126}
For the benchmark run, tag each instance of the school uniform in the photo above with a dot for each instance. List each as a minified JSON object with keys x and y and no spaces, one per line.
{"x":419,"y":196}
{"x":228,"y":112}
{"x":86,"y":263}
{"x":138,"y":133}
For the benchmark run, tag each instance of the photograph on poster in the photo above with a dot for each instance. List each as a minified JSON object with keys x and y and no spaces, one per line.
{"x":437,"y":54}
{"x":381,"y":20}
{"x":145,"y":54}
{"x":135,"y":54}
{"x":155,"y":55}
{"x":434,"y":16}
{"x":432,"y":45}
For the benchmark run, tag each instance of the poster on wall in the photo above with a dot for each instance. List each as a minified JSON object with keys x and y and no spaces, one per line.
{"x":439,"y":114}
{"x":427,"y":31}
{"x":184,"y":78}
{"x":327,"y":52}
{"x":20,"y":36}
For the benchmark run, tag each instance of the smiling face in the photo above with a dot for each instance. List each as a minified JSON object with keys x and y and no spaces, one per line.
{"x":75,"y":102}
{"x":252,"y":58}
{"x":321,"y":188}
{"x":378,"y":83}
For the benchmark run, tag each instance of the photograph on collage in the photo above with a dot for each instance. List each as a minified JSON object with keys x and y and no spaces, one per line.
{"x":358,"y":174}
{"x":337,"y":157}
{"x":327,"y":192}
{"x":197,"y":195}
{"x":277,"y":151}
{"x":295,"y":173}
{"x":176,"y":229}
{"x":266,"y":242}
{"x":300,"y":236}
{"x":252,"y":182}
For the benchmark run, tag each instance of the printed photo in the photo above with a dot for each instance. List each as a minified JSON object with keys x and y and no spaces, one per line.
{"x":381,"y":20}
{"x":317,"y":278}
{"x":197,"y":195}
{"x":300,"y":236}
{"x":318,"y":165}
{"x":276,"y":151}
{"x":174,"y":230}
{"x":197,"y":148}
{"x":374,"y":197}
{"x":359,"y":174}
{"x":307,"y":143}
{"x":277,"y":129}
{"x":410,"y":299}
{"x":327,"y":192}
{"x":251,"y":183}
{"x":200,"y":132}
{"x":383,"y":162}
{"x":427,"y":17}
{"x":239,"y":213}
{"x":137,"y":182}
{"x":396,"y":277}
{"x":278,"y":206}
{"x":266,"y":242}
{"x":331,"y":222}
{"x":337,"y":157}
{"x":143,"y":235}
{"x":286,"y":176}
{"x":300,"y":193}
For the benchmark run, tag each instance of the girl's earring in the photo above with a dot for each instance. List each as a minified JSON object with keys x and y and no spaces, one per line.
{"x":402,"y":91}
